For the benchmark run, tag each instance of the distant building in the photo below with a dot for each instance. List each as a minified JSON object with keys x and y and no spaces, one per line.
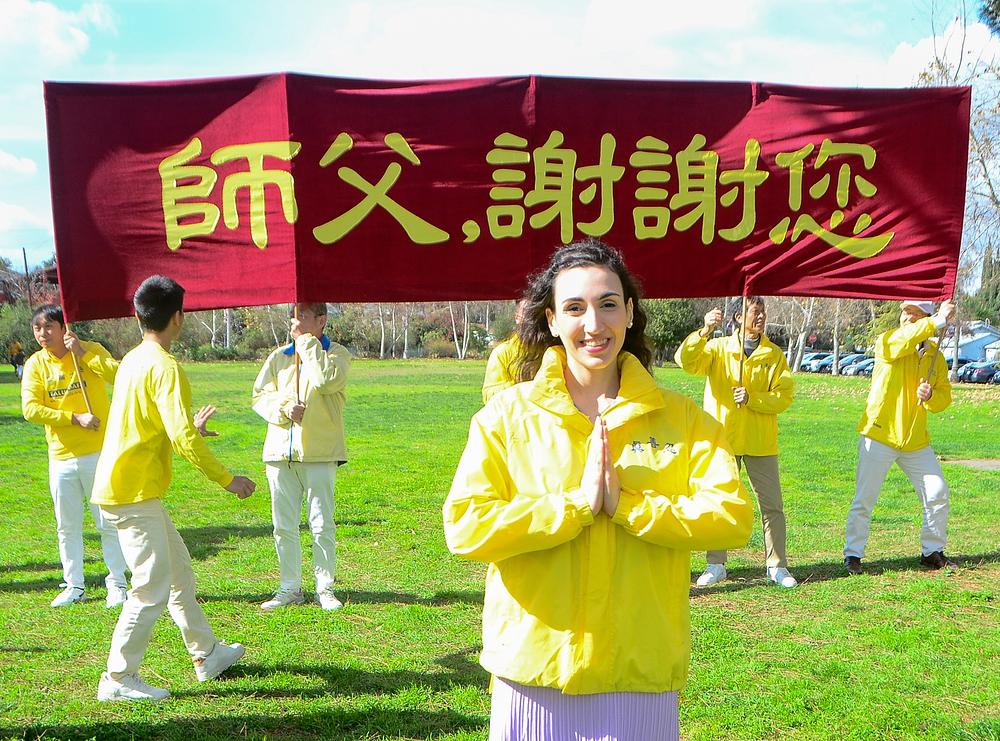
{"x":976,"y":341}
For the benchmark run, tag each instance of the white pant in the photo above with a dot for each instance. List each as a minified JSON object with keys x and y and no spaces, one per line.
{"x":161,"y":577}
{"x":922,"y":467}
{"x":289,"y":482}
{"x":71,"y":482}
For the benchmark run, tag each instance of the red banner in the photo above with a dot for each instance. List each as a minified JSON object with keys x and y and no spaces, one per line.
{"x":266,"y":189}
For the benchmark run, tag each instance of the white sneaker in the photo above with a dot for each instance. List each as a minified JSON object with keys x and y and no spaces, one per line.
{"x":223,"y":656}
{"x":68,"y":596}
{"x":780,"y":576}
{"x":713,"y":574}
{"x":283,"y":598}
{"x":116,"y":596}
{"x":328,"y":600}
{"x":129,"y":687}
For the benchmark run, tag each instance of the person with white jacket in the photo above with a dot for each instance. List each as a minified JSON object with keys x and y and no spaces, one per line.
{"x":304,"y":445}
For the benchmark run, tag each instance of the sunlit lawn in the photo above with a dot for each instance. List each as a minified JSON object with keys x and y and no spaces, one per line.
{"x":896,"y":653}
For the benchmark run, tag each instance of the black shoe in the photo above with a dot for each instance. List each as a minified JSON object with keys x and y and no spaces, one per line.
{"x":853,"y":565}
{"x":937,"y":560}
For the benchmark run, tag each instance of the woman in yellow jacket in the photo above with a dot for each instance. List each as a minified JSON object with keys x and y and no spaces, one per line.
{"x":585,"y":490}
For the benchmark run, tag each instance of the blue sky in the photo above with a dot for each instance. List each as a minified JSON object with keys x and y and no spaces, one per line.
{"x":852,"y":43}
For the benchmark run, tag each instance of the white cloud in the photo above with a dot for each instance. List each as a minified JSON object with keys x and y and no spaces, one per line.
{"x":966,"y":49}
{"x":17,"y":165}
{"x":14,"y":217}
{"x":34,"y":33}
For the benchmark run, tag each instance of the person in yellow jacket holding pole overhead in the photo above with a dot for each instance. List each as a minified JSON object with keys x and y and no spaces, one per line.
{"x":304,"y":445}
{"x":910,"y":378}
{"x":149,"y":419}
{"x":52,"y":395}
{"x":585,"y":489}
{"x":748,"y":385}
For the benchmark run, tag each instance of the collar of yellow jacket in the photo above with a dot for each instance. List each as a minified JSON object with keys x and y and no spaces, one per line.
{"x":735,"y":346}
{"x":637,"y":395}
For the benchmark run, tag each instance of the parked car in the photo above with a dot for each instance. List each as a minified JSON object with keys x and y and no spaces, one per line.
{"x":822,"y":366}
{"x":847,"y":360}
{"x":996,"y":378}
{"x":809,"y":358}
{"x":983,"y":372}
{"x":857,"y":368}
{"x":963,"y":372}
{"x":866,"y":368}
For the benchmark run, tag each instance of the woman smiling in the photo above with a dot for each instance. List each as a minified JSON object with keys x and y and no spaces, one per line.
{"x":584,"y":488}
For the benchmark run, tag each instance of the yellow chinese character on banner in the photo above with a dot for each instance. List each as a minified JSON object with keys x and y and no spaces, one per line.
{"x":555,"y":176}
{"x":555,"y":167}
{"x":254,"y":181}
{"x":651,"y":160}
{"x":746,"y":180}
{"x":376,"y":194}
{"x":852,"y":244}
{"x":174,"y":169}
{"x":504,"y":219}
{"x":178,"y":203}
{"x":697,"y":183}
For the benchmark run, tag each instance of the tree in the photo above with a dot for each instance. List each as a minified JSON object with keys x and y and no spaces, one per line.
{"x":669,"y":322}
{"x":989,"y":14}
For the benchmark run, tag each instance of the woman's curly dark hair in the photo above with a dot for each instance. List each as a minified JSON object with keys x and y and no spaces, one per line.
{"x":533,"y":331}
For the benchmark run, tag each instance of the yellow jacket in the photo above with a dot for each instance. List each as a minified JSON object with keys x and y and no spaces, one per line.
{"x":582,"y":603}
{"x":50,"y":396}
{"x":752,"y":428}
{"x":893,"y":415}
{"x":501,"y":368}
{"x":323,"y":369}
{"x":150,"y":413}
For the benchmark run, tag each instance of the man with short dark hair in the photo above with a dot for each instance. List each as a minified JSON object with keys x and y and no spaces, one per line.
{"x":909,"y":379}
{"x":303,"y":447}
{"x":747,"y":404}
{"x":149,"y":419}
{"x":53,"y":395}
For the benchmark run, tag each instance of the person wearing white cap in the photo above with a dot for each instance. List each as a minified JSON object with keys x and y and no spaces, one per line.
{"x":910,"y":378}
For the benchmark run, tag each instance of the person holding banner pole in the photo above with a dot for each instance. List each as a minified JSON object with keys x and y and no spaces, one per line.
{"x":54,"y":394}
{"x":584,"y":488}
{"x":150,"y":418}
{"x":909,"y":379}
{"x":502,"y":365}
{"x":300,"y":393}
{"x":748,"y":384}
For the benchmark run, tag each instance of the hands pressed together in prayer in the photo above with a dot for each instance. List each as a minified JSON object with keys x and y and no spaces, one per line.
{"x":600,"y":483}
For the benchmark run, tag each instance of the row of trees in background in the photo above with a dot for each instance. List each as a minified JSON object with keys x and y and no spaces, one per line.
{"x":468,"y":329}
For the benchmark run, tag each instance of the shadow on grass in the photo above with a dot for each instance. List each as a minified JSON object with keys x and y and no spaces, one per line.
{"x":206,"y":542}
{"x":31,"y":566}
{"x":462,"y":670}
{"x":359,"y":597}
{"x":746,"y":577}
{"x":368,"y":723}
{"x":333,"y":723}
{"x":24,"y":650}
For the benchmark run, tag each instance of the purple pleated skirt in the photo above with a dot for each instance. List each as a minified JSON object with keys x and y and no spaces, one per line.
{"x":524,"y":713}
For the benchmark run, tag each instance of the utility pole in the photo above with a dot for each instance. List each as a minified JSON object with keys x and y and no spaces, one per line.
{"x":27,"y":276}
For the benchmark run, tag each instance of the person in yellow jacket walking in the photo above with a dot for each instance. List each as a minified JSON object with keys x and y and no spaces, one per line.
{"x":149,"y":419}
{"x":585,"y":489}
{"x":51,"y":396}
{"x":303,"y":447}
{"x":909,"y":379}
{"x":749,"y":412}
{"x":504,"y":361}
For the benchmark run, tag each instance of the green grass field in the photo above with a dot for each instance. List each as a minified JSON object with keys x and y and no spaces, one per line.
{"x":898,"y":653}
